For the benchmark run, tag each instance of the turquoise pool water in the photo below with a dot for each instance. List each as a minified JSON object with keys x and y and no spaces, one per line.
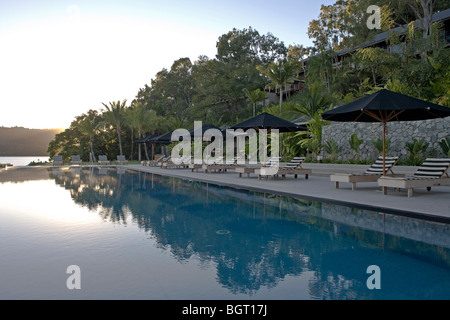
{"x":142,"y":236}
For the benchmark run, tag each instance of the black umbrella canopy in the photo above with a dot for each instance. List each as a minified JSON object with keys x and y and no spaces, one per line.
{"x":385,"y":106}
{"x":268,"y":121}
{"x":147,"y":139}
{"x":204,"y":128}
{"x":164,"y":138}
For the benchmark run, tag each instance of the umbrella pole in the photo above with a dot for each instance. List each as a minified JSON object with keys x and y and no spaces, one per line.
{"x":384,"y":147}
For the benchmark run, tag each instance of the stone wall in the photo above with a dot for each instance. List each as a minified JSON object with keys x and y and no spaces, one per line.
{"x":432,"y":131}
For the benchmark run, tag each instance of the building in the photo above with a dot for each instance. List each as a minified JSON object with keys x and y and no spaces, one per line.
{"x":381,"y":40}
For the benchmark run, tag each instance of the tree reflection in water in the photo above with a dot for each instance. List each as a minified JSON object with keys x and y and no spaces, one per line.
{"x":257,"y":240}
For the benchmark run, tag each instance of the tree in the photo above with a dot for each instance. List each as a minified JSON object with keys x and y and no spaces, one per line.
{"x":321,"y":70}
{"x":376,"y":60}
{"x":343,"y":24}
{"x":313,"y":137}
{"x":440,"y":85}
{"x":355,"y":143}
{"x":254,"y":97}
{"x":114,"y":115}
{"x":333,"y":149}
{"x":89,"y":127}
{"x":66,"y":143}
{"x":280,"y":73}
{"x":172,"y":91}
{"x":84,"y":137}
{"x":248,"y":46}
{"x":378,"y":145}
{"x":136,"y":120}
{"x":445,"y":146}
{"x":417,"y":150}
{"x":312,"y":100}
{"x":424,"y":10}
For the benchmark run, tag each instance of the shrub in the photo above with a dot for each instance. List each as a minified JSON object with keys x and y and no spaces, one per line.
{"x":332,"y":148}
{"x":445,"y":146}
{"x":378,"y":144}
{"x":355,"y":143}
{"x":417,"y":150}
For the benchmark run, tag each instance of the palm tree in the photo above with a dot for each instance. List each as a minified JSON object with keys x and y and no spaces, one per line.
{"x":143,"y":120}
{"x":135,"y":117}
{"x":355,"y":143}
{"x":88,"y":127}
{"x":311,"y":101}
{"x":280,"y":73}
{"x":114,"y":116}
{"x":254,"y":97}
{"x":320,"y":68}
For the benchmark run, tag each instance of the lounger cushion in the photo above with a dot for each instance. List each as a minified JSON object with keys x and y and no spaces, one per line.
{"x":377,"y":167}
{"x":432,"y":168}
{"x":295,"y":162}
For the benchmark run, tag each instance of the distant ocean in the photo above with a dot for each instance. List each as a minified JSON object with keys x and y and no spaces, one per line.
{"x":22,"y":161}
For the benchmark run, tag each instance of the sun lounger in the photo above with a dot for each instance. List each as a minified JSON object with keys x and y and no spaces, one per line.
{"x":103,"y":160}
{"x":58,"y":160}
{"x":372,"y":174}
{"x":121,"y":160}
{"x":195,"y":166}
{"x":180,"y":163}
{"x":76,"y":160}
{"x":433,"y":172}
{"x":252,"y":168}
{"x":153,"y":163}
{"x":220,"y":166}
{"x":293,"y":167}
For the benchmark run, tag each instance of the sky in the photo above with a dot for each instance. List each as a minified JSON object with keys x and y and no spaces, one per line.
{"x":59,"y":59}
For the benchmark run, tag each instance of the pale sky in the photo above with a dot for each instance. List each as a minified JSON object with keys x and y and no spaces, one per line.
{"x":59,"y":58}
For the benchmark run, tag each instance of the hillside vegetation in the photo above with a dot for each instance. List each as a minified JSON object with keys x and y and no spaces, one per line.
{"x":19,"y":141}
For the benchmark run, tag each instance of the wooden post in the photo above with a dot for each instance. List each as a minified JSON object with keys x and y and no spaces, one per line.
{"x":384,"y":147}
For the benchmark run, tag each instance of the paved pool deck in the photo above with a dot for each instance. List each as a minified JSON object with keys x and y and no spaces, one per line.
{"x":433,"y":205}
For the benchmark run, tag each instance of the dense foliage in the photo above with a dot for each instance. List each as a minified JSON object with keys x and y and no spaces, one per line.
{"x":227,"y":88}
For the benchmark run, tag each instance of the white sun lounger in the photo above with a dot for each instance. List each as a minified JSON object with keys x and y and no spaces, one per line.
{"x":293,"y":167}
{"x":121,"y":160}
{"x":58,"y":160}
{"x":220,"y":166}
{"x":76,"y":160}
{"x":252,"y":168}
{"x":103,"y":160}
{"x":433,"y":172}
{"x":372,"y":174}
{"x":180,"y":163}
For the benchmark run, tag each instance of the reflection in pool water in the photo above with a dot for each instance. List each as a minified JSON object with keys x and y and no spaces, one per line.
{"x":143,"y":236}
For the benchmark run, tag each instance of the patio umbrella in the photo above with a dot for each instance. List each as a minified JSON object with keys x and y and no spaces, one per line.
{"x":165,"y":138}
{"x":385,"y":106}
{"x":159,"y":139}
{"x":204,"y":128}
{"x":146,"y":140}
{"x":268,"y":122}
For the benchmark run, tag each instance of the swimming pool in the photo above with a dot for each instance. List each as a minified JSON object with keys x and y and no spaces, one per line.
{"x":136,"y":235}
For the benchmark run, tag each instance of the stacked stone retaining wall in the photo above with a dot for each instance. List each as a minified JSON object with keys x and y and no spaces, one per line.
{"x":431,"y":131}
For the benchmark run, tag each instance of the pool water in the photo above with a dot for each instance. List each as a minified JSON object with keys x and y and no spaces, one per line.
{"x":142,"y":236}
